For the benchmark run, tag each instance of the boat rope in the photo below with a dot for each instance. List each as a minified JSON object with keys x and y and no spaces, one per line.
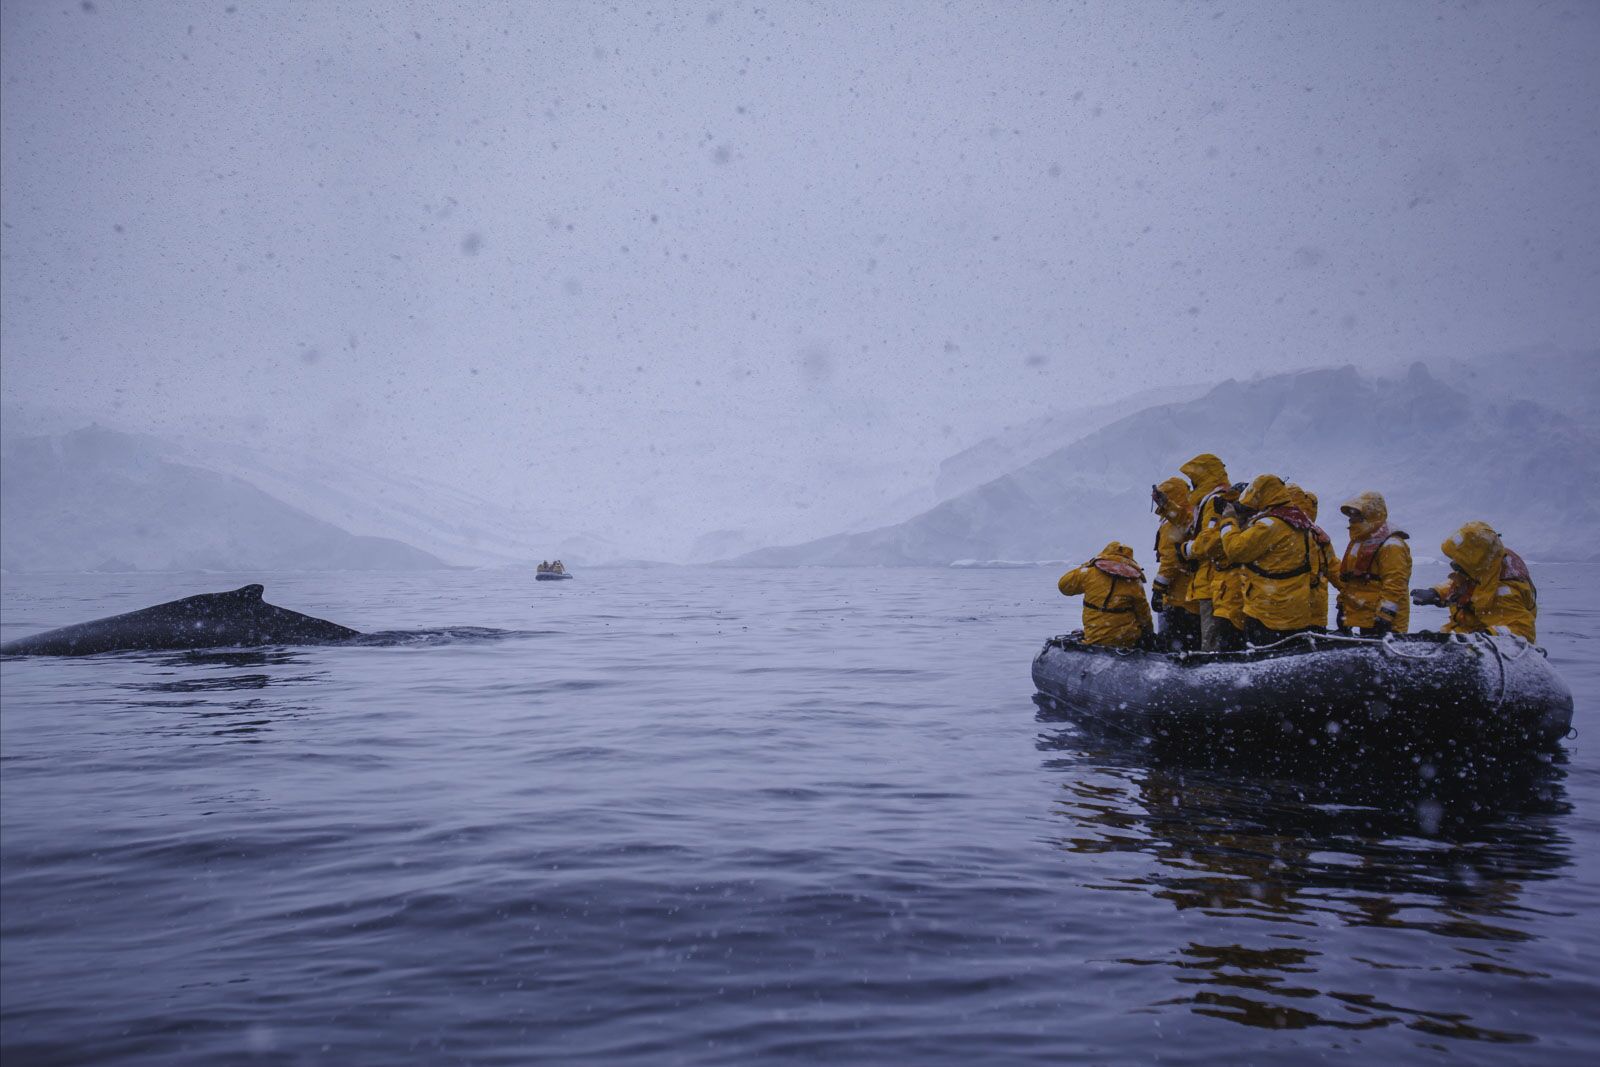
{"x":1522,"y":648}
{"x":1500,"y":658}
{"x":1307,"y":638}
{"x":1399,"y":648}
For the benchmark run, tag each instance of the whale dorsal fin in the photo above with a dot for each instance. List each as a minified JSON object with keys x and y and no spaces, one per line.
{"x":249,"y":592}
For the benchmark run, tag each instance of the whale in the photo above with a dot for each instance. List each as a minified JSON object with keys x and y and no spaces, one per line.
{"x":239,"y":618}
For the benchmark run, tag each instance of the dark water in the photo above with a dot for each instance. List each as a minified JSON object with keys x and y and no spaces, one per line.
{"x":734,"y":817}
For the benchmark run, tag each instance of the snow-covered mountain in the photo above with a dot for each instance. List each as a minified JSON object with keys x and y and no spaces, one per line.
{"x":352,"y":492}
{"x":98,"y":499}
{"x":1005,"y":451}
{"x":1568,"y":382}
{"x":1441,"y":453}
{"x":457,"y":526}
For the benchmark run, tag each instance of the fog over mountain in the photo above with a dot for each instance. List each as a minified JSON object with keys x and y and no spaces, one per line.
{"x":95,"y":499}
{"x":1441,"y":454}
{"x":680,"y":281}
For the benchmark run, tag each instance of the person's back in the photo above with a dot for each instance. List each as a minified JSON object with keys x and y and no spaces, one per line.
{"x":1279,"y":552}
{"x":1375,"y":572}
{"x":1490,"y":590}
{"x":1115,"y":612}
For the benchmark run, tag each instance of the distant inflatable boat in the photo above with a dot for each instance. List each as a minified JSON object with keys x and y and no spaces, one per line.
{"x":1415,"y":694}
{"x":551,"y":576}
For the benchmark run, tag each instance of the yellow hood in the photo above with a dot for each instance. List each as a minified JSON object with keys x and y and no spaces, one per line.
{"x":1175,"y":493}
{"x":1478,"y":550}
{"x":1267,"y":491}
{"x":1304,"y":499}
{"x":1205,"y":472}
{"x":1115,"y":550}
{"x":1370,"y":513}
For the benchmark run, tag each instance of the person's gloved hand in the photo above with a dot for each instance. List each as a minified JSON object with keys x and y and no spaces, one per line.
{"x":1158,"y":599}
{"x":1426,"y":597}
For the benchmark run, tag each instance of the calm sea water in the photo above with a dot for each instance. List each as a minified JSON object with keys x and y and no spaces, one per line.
{"x":708,"y":816}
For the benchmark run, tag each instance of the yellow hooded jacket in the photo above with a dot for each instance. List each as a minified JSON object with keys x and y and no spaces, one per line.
{"x":1115,"y":611}
{"x":1208,"y":476}
{"x":1324,"y":559}
{"x":1280,"y":556}
{"x":1496,"y":594}
{"x":1374,"y":576}
{"x":1174,"y":574}
{"x":1227,"y":581}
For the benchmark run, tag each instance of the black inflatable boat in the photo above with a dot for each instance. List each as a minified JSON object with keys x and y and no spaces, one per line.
{"x":1418,"y":694}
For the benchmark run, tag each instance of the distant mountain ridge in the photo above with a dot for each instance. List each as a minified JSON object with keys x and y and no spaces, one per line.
{"x":98,"y":499}
{"x":1441,"y":455}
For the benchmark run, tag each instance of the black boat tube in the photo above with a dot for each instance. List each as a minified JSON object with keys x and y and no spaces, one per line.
{"x":1415,"y":692}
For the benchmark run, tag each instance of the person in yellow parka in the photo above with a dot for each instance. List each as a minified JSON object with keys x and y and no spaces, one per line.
{"x":1490,"y":590}
{"x":1375,"y":572}
{"x":1227,"y":581}
{"x":1280,"y":552}
{"x":1169,"y":593}
{"x":1326,"y":562}
{"x":1209,"y":587}
{"x":1115,"y":611}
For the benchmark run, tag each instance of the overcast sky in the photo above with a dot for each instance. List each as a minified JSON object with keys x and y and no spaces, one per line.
{"x":674,"y":267}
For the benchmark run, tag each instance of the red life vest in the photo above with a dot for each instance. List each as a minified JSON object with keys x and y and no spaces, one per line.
{"x":1360,"y":569}
{"x":1296,"y":520}
{"x":1118,"y":568}
{"x":1513,"y":569}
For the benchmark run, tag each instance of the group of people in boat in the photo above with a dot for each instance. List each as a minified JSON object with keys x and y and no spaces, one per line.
{"x":1246,"y":564}
{"x":551,"y":568}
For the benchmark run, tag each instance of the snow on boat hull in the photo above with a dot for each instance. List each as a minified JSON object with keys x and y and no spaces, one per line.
{"x":1418,"y":694}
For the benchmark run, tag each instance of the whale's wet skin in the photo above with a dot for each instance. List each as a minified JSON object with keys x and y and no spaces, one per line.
{"x":734,"y":816}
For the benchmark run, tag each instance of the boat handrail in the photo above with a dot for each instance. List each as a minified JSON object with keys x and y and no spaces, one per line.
{"x":1397,"y":645}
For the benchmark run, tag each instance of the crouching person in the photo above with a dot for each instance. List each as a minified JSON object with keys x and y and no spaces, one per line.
{"x":1115,"y":612}
{"x":1489,"y":589}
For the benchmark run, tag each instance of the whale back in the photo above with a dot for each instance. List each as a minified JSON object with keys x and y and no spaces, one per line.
{"x":237,"y":618}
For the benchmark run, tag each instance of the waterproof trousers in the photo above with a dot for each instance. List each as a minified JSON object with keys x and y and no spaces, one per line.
{"x":1216,"y":633}
{"x":1180,"y":630}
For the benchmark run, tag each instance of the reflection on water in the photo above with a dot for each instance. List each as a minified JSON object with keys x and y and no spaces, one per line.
{"x":1284,"y":862}
{"x":204,"y":689}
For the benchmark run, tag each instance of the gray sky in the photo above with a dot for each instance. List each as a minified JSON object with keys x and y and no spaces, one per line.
{"x":667,"y":268}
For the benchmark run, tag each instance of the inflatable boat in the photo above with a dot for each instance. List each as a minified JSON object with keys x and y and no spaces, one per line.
{"x":1420,"y":695}
{"x":551,"y":576}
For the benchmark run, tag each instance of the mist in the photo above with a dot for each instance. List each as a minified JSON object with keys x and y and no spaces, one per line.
{"x":644,"y":275}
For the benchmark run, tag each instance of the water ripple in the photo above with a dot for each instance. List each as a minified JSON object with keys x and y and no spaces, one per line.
{"x":763,"y":816}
